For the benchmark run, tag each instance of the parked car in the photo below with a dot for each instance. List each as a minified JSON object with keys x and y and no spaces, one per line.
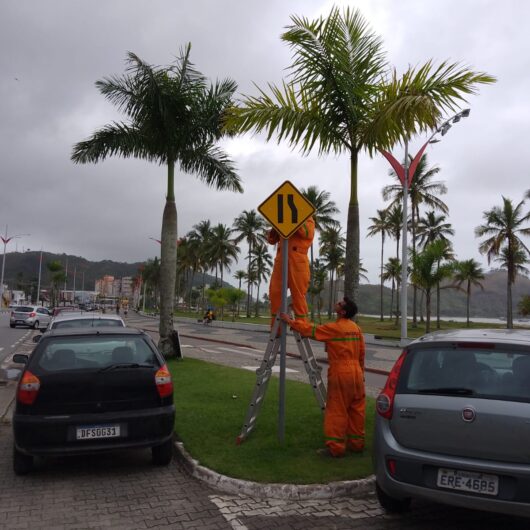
{"x":30,"y":315}
{"x":63,"y":308}
{"x":453,"y":423}
{"x":86,"y":320}
{"x":92,"y":390}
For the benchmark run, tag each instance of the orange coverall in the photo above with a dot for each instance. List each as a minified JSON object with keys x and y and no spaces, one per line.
{"x":299,"y":271}
{"x":345,"y":404}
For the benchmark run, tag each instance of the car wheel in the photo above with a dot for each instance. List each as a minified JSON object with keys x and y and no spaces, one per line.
{"x":22,"y":464}
{"x":391,"y":504}
{"x":162,"y":454}
{"x":36,"y":324}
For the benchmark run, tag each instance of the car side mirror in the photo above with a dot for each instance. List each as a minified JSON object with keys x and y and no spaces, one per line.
{"x":20,"y":358}
{"x":36,"y":338}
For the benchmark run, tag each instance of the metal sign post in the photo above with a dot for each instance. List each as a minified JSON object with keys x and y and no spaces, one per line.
{"x":283,"y":341}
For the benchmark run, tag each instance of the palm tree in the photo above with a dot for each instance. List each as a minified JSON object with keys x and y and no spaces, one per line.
{"x":395,"y":224}
{"x":58,"y":276}
{"x":380,"y":225}
{"x":468,"y":271}
{"x":343,"y":97}
{"x":261,"y":265}
{"x":524,"y":306}
{"x":519,"y":257}
{"x":199,"y":241}
{"x":428,"y":270}
{"x":151,"y":276}
{"x":503,"y":228}
{"x":446,"y":254}
{"x":324,"y":210}
{"x":174,"y":118}
{"x":320,"y":273}
{"x":423,"y":190}
{"x":433,"y":227}
{"x":239,"y":275}
{"x":392,"y":272}
{"x":222,"y":248}
{"x":332,"y":253}
{"x":251,"y":227}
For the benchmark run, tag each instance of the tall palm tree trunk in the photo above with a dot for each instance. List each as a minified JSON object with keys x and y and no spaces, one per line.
{"x":468,"y":290}
{"x":438,"y":305}
{"x":248,"y":278}
{"x":392,"y":299}
{"x":351,"y":266}
{"x":312,"y":295}
{"x":382,"y":259}
{"x":168,"y":270}
{"x":330,"y":303}
{"x":415,"y":288}
{"x":397,"y":302}
{"x":257,"y":301}
{"x":428,"y":310}
{"x":509,"y":311}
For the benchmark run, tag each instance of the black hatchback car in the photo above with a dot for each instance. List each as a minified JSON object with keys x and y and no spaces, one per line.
{"x":93,"y":390}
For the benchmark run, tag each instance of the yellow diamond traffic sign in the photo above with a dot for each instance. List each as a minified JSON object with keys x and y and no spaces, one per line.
{"x":286,"y":209}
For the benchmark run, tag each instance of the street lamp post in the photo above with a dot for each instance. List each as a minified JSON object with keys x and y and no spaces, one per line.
{"x":405,"y":174}
{"x":5,"y":241}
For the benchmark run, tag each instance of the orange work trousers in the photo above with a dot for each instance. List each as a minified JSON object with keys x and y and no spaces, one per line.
{"x":297,"y":281}
{"x":345,"y":412}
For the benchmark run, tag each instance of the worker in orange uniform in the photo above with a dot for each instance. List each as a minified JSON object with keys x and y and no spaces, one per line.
{"x":345,"y":404}
{"x":298,"y":270}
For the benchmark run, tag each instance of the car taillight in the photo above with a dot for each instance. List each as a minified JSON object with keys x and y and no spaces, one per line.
{"x":33,"y":314}
{"x":164,"y":385}
{"x":384,"y":403}
{"x":28,"y":388}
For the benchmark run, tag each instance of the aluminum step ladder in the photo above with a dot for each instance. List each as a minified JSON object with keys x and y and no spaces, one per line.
{"x":264,"y":372}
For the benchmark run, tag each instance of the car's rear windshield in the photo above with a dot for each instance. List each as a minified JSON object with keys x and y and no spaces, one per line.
{"x":88,"y":323}
{"x":496,"y":372}
{"x":74,"y":353}
{"x":23,"y":309}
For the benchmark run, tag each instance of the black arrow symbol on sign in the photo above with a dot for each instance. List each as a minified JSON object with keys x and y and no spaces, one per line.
{"x":292,"y":206}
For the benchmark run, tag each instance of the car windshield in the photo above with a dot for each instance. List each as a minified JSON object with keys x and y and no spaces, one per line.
{"x":24,"y":309}
{"x":88,"y":323}
{"x":94,"y":352}
{"x":496,"y":372}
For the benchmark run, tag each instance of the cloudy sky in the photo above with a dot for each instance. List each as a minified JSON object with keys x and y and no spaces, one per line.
{"x":52,"y":52}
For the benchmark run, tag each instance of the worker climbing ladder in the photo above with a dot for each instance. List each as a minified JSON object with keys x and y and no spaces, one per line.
{"x":263,"y":375}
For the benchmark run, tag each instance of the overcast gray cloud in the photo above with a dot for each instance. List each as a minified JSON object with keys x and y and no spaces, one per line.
{"x":54,"y":51}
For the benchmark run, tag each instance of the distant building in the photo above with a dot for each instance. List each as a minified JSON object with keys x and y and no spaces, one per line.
{"x":105,"y":286}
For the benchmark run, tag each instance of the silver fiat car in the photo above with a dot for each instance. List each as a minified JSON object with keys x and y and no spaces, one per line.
{"x":453,"y":423}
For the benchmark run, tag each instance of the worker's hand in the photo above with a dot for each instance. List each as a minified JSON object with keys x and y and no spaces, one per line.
{"x":285,"y":317}
{"x":273,"y":237}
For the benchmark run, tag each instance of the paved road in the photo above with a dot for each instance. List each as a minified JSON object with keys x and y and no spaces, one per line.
{"x":124,"y":491}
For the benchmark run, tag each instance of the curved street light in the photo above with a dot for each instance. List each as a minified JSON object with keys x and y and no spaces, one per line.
{"x":405,"y":174}
{"x":5,"y":241}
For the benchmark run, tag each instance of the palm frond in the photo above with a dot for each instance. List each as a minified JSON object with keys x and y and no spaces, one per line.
{"x":212,"y":166}
{"x":115,"y":139}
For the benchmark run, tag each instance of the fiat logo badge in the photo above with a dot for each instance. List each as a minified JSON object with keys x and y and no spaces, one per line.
{"x":469,"y":414}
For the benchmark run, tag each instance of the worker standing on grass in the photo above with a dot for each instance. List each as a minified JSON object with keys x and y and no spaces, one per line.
{"x":345,"y":406}
{"x":298,"y":270}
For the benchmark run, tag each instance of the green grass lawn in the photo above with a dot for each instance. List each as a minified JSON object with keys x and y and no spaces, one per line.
{"x":211,"y":404}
